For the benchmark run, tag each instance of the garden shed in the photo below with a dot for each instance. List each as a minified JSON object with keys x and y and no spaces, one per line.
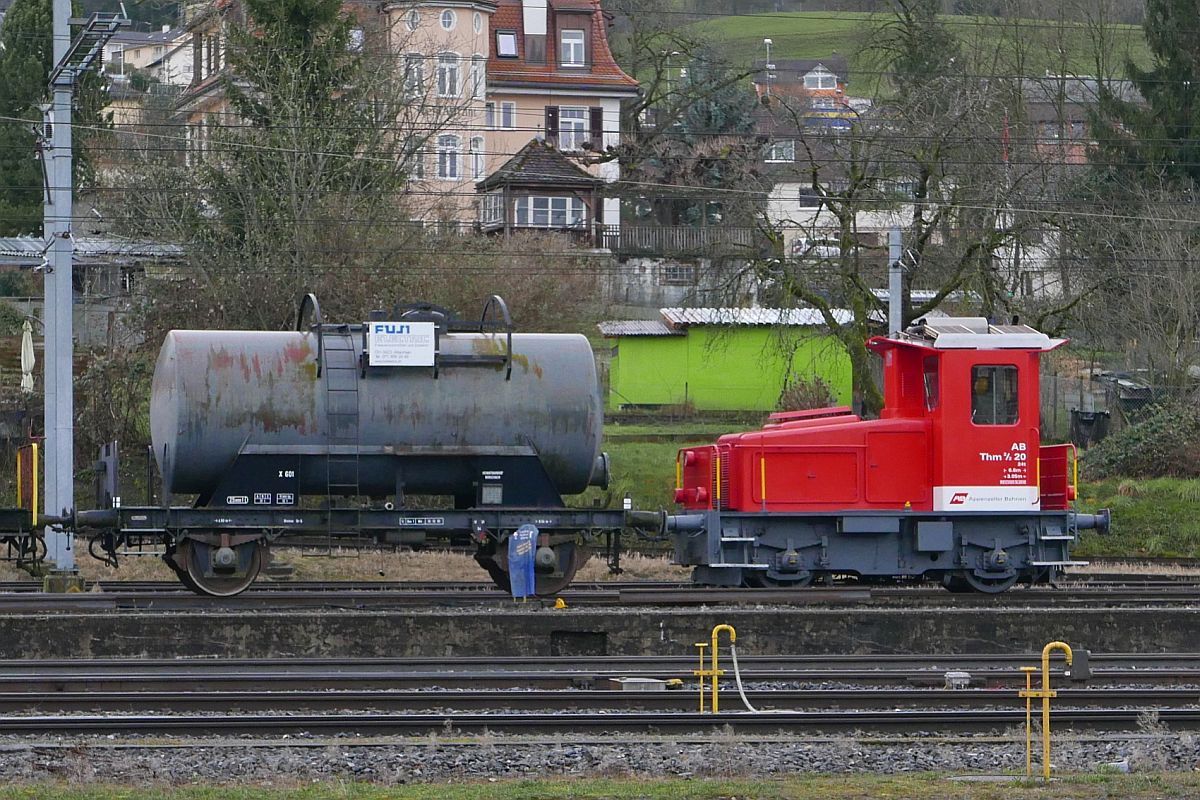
{"x":723,"y":359}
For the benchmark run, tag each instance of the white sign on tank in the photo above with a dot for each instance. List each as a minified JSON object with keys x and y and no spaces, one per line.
{"x":400,"y":344}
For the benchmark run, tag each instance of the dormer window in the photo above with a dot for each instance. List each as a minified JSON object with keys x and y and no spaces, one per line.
{"x":820,"y":78}
{"x":506,"y":44}
{"x":571,"y":48}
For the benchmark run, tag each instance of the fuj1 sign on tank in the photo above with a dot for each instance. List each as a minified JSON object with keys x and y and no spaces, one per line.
{"x":400,"y":344}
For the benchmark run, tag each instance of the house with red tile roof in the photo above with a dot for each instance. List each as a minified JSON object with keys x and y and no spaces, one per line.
{"x":552,"y":76}
{"x":485,"y":78}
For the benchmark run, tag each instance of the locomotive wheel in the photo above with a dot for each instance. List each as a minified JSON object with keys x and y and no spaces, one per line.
{"x":202,"y":578}
{"x":968,"y":581}
{"x":570,"y":558}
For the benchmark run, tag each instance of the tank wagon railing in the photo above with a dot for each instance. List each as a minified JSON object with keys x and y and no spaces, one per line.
{"x":309,"y":317}
{"x":449,"y":323}
{"x":310,"y":303}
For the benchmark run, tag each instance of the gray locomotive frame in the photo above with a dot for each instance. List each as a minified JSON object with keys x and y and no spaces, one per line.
{"x":986,"y":551}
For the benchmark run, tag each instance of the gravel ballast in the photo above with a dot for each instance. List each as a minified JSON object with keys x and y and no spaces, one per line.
{"x":431,"y":759}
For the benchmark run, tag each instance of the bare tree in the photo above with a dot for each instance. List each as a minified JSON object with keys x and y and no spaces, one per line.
{"x":943,"y":155}
{"x":305,"y":183}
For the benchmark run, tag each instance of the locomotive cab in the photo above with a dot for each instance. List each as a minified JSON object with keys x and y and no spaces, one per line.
{"x":977,"y":384}
{"x":950,"y":483}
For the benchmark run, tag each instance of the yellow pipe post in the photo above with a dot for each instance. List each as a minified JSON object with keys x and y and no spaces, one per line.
{"x":700,"y":673}
{"x":1046,"y":695}
{"x":715,"y":672}
{"x":1028,"y":719}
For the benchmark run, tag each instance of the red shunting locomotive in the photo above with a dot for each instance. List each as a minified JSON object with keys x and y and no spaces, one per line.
{"x":951,"y":483}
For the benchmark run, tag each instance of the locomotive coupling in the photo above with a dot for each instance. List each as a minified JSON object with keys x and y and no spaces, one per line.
{"x":647,"y":521}
{"x":659,"y":522}
{"x":1099,"y":522}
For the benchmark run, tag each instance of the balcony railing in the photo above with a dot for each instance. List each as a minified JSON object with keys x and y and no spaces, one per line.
{"x":681,"y":240}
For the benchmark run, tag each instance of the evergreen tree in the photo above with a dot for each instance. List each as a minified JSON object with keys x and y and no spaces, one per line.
{"x":301,"y":183}
{"x":1161,"y":137}
{"x":26,"y":58}
{"x":917,"y":50}
{"x":24,"y":63}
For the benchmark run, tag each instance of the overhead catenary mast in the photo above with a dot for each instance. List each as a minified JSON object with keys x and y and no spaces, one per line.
{"x":72,"y":58}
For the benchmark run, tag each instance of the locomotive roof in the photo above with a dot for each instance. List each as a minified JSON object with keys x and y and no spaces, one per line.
{"x":975,"y":333}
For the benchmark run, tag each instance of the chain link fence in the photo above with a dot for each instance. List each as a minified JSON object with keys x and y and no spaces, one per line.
{"x":1085,"y":409}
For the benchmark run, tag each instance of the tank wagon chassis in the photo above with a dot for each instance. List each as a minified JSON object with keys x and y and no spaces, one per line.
{"x":221,"y":552}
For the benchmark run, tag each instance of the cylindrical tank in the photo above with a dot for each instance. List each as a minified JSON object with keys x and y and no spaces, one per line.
{"x":217,"y":392}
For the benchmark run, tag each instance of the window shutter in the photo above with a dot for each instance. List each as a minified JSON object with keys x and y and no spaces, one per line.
{"x":197,"y":58}
{"x":552,"y":125}
{"x":596,"y":120}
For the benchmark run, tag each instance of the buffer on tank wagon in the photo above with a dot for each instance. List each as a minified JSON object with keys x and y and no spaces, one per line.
{"x":950,"y":483}
{"x":333,"y":429}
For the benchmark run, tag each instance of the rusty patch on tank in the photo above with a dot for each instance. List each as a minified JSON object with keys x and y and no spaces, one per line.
{"x":220,"y":359}
{"x":297,"y":352}
{"x":257,"y":366}
{"x":245,"y":365}
{"x":487,"y":346}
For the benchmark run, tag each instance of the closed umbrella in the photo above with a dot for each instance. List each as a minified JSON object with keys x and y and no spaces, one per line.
{"x":27,"y":361}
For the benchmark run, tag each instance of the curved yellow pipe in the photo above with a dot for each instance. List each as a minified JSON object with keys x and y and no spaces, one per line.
{"x":1066,"y":648}
{"x":716,"y":632}
{"x":1046,"y":695}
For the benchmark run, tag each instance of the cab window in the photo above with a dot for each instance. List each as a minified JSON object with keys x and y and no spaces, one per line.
{"x":930,"y":369}
{"x":994,"y":395}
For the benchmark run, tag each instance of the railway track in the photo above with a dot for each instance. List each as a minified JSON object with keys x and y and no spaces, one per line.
{"x":332,"y":596}
{"x":45,"y":678}
{"x":419,"y":696}
{"x":500,"y":701}
{"x":587,"y":723}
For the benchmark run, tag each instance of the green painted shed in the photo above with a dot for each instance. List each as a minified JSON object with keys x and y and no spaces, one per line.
{"x":722,"y":359}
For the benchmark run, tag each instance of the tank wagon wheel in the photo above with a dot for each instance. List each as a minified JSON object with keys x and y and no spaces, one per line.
{"x":203,"y":577}
{"x":967,"y":581}
{"x":570,"y":558}
{"x":182,"y":575}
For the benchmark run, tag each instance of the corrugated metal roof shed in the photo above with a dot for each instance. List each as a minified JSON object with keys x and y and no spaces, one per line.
{"x":25,"y":250}
{"x":675,"y":321}
{"x":751,"y":316}
{"x":637,"y":327}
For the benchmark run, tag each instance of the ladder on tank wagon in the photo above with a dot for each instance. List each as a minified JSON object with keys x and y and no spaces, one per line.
{"x":339,"y":368}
